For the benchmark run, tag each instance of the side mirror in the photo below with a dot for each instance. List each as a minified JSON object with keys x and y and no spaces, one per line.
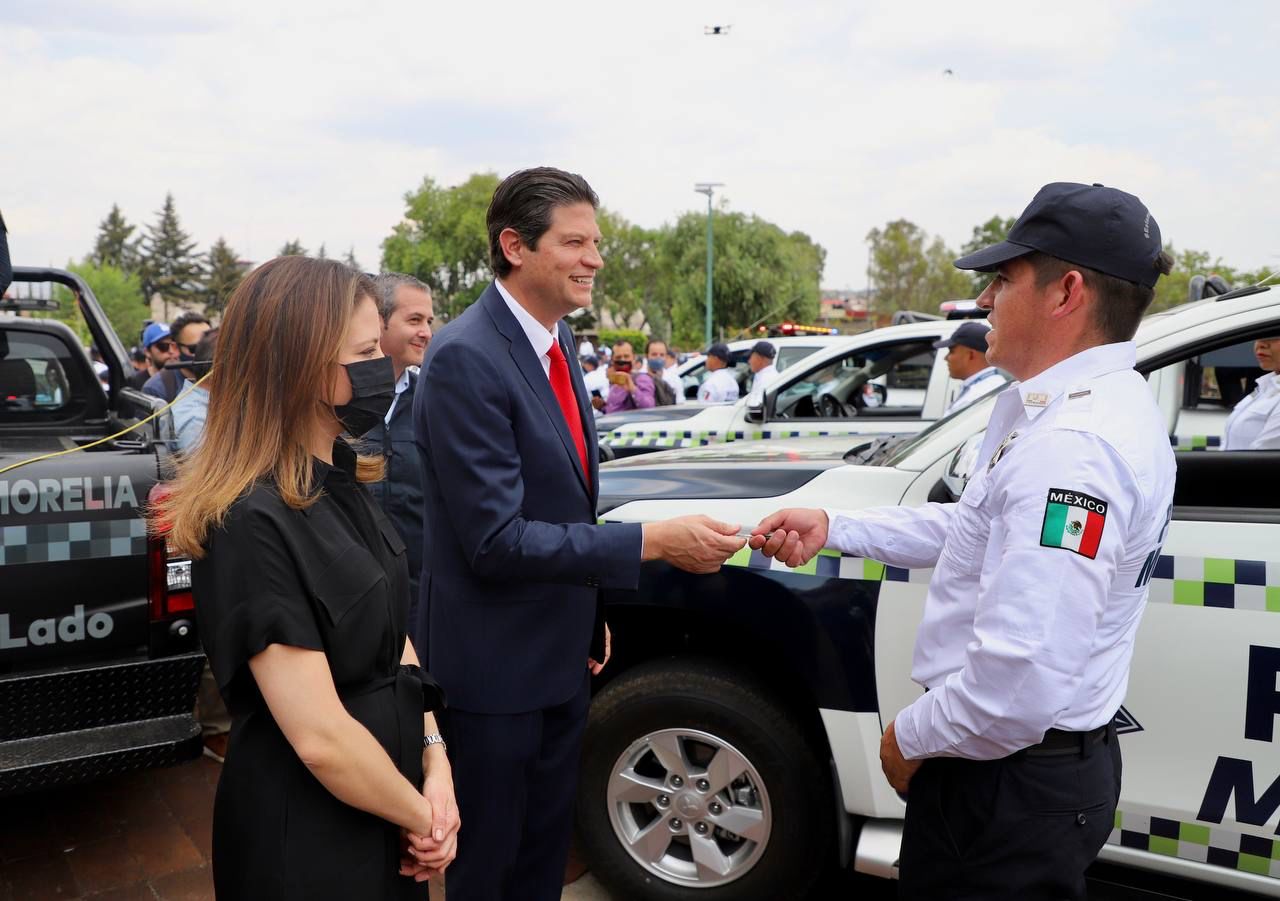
{"x":755,"y":413}
{"x":961,"y":465}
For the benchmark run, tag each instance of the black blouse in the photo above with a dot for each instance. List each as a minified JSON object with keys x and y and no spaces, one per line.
{"x":331,"y":577}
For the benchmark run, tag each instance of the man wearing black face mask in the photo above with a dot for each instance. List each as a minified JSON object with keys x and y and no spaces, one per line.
{"x":186,"y":331}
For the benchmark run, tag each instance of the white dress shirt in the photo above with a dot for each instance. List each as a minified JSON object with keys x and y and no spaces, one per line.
{"x":980,"y":384}
{"x":763,"y":379}
{"x":720,"y":387}
{"x":672,"y":378}
{"x":539,"y":337}
{"x":402,"y":385}
{"x":1021,"y":634}
{"x":1255,"y":422}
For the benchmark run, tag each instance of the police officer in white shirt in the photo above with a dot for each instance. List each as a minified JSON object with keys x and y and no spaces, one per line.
{"x":1040,"y":572}
{"x":967,"y":361}
{"x":761,"y":363}
{"x":1255,"y":422}
{"x":720,"y":386}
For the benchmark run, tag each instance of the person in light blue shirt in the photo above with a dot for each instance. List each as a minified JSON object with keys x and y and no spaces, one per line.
{"x":193,"y":400}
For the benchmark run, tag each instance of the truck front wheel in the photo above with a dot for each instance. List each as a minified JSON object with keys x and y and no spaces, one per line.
{"x":697,"y":784}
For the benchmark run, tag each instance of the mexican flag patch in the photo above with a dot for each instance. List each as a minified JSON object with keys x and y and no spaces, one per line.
{"x":1073,"y":521}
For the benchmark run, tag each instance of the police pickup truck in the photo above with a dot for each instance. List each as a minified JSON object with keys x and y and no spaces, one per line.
{"x":693,"y":372}
{"x":736,"y":743}
{"x":886,"y":381}
{"x":99,"y":660}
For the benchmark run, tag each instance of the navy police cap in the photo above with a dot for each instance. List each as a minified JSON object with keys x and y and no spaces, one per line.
{"x":1097,"y":227}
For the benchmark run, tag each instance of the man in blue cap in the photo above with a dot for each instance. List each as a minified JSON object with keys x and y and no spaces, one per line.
{"x":160,"y":348}
{"x":967,"y":361}
{"x":1010,"y":759}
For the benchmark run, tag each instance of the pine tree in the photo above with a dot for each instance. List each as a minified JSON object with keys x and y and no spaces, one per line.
{"x":222,"y":276}
{"x":170,"y":265}
{"x":321,"y":254}
{"x":115,"y":245}
{"x":293,"y":248}
{"x":350,"y":259}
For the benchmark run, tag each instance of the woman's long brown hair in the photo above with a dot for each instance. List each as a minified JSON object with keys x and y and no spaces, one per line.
{"x":280,"y":336}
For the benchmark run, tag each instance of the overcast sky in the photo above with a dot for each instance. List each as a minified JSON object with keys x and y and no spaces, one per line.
{"x":270,"y":121}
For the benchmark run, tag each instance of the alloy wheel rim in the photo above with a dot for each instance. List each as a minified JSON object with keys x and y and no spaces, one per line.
{"x":689,"y":807}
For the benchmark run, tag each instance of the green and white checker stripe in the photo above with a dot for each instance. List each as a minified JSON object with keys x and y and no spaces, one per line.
{"x":1217,"y":582}
{"x":58,"y":541}
{"x":1188,"y":581}
{"x":831,"y":564}
{"x":1195,"y":442}
{"x":688,"y":438}
{"x":1201,"y":842}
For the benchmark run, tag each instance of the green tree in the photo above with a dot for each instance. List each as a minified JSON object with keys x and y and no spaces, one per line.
{"x":350,"y":259}
{"x":322,"y":254}
{"x":761,"y":273}
{"x":899,"y":267}
{"x":292,"y":248}
{"x":911,"y":272}
{"x":443,"y":240}
{"x":993,"y":231}
{"x":117,"y":293}
{"x":115,"y":244}
{"x":942,"y":280}
{"x":170,"y":266}
{"x":633,"y":275}
{"x":223,"y":274}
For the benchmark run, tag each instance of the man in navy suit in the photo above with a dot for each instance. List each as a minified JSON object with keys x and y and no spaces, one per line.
{"x":514,"y":559}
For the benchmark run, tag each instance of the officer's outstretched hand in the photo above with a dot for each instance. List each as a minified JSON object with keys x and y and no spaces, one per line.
{"x":797,"y":535}
{"x":698,"y":544}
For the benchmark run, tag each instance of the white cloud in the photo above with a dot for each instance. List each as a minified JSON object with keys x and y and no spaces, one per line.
{"x":275,"y":121}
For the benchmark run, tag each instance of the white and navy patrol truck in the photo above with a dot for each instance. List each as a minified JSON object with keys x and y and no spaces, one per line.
{"x":99,"y":659}
{"x":735,"y":746}
{"x":886,"y":381}
{"x":693,"y":372}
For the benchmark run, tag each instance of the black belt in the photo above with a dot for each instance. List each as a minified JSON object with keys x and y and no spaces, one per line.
{"x":1057,"y":742}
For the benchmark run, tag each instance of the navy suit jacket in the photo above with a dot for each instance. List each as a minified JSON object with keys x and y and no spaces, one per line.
{"x":513,"y":557}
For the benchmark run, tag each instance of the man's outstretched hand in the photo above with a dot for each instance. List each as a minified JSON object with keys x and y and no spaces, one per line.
{"x":797,"y":535}
{"x":698,"y":544}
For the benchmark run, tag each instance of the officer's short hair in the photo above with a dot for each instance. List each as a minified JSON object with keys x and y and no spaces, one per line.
{"x":387,"y":283}
{"x":1120,"y":304}
{"x":524,"y":202}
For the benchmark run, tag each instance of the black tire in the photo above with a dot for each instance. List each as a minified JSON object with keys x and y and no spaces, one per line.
{"x":712,"y":698}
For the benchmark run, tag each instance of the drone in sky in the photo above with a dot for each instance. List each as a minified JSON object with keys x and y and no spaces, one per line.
{"x":716,"y":30}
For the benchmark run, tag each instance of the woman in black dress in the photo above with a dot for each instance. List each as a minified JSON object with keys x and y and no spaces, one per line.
{"x":301,"y":592}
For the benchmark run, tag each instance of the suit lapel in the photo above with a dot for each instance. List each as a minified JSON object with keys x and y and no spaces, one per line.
{"x":587,"y":418}
{"x":530,"y":367}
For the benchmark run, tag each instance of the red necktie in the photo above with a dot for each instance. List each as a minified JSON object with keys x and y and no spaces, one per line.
{"x":562,"y":386}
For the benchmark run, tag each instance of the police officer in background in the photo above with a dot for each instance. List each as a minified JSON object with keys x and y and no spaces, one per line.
{"x":1010,"y":759}
{"x":967,"y":361}
{"x":720,"y":386}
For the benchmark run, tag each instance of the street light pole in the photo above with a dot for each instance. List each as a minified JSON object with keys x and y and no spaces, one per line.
{"x":708,"y":188}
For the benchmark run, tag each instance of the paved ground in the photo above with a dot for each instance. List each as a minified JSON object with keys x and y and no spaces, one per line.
{"x":147,"y":837}
{"x":140,"y":837}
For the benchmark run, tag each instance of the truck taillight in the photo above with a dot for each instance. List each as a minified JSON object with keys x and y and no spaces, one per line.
{"x":170,"y":575}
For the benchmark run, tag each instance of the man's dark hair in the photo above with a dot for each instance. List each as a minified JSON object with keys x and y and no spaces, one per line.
{"x":652,"y":341}
{"x":1120,"y":304}
{"x":205,"y":347}
{"x":185,"y":319}
{"x":524,"y":202}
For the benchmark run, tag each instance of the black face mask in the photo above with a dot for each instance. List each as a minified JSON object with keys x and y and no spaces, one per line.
{"x":373,"y":388}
